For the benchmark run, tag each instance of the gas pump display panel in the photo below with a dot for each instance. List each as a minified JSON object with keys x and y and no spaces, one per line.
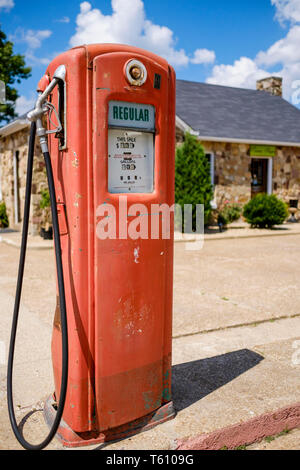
{"x":130,"y":161}
{"x":130,"y":148}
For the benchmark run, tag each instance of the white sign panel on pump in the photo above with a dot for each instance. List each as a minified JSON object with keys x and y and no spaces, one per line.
{"x":131,"y":148}
{"x":130,"y":161}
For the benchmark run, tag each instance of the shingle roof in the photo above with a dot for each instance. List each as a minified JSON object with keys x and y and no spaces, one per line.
{"x":237,"y":113}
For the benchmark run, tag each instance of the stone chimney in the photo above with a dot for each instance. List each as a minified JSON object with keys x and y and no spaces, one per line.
{"x":272,"y":85}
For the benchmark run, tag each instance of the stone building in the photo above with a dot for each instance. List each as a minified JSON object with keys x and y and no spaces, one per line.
{"x":13,"y":164}
{"x":251,"y":138}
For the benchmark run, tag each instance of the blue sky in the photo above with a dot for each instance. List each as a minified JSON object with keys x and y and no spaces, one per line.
{"x":229,"y":42}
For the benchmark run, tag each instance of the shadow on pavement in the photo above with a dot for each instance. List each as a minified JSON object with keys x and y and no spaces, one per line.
{"x":192,"y":381}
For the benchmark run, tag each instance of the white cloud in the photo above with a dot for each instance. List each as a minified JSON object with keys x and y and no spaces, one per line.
{"x":32,"y":60}
{"x":7,"y":4}
{"x":203,"y":56}
{"x":25,"y":104}
{"x":284,"y":53}
{"x":287,"y":10}
{"x":128,"y":25}
{"x":33,"y":39}
{"x":243,"y":73}
{"x":65,"y":19}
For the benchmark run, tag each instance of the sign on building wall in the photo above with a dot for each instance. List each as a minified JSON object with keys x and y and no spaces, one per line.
{"x":262,"y":151}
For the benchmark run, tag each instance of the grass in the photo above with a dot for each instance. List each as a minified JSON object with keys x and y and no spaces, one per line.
{"x":267,"y":439}
{"x":282,"y":433}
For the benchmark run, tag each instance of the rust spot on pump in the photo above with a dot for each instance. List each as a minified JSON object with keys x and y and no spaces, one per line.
{"x":57,"y":316}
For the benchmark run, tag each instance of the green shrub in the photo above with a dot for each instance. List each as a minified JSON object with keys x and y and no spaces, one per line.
{"x":3,"y":216}
{"x":265,"y":211}
{"x":233,"y":212}
{"x":230,"y":213}
{"x":192,"y":177}
{"x":45,"y":199}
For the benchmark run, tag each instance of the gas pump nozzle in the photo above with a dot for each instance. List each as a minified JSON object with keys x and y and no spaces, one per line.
{"x":38,"y":111}
{"x":43,"y":106}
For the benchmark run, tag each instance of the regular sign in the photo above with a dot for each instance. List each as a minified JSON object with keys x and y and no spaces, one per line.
{"x":131,"y":115}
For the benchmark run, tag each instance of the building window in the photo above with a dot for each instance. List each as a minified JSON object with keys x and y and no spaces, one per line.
{"x":211,"y":159}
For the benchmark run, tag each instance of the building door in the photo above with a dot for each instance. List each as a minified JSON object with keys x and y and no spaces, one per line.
{"x":259,"y":174}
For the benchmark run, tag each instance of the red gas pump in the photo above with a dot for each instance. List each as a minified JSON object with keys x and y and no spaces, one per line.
{"x":112,"y":157}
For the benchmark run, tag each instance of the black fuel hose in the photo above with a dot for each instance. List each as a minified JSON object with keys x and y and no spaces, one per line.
{"x":60,"y":278}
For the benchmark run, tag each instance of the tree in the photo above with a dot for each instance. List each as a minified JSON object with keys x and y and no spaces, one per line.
{"x":192,"y":177}
{"x":12,"y":70}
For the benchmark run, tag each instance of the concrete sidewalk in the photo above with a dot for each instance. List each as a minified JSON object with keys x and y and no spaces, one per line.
{"x":231,"y":395}
{"x":227,"y":391}
{"x":236,"y":357}
{"x":234,"y":231}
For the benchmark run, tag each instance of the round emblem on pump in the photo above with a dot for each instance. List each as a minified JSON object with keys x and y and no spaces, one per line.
{"x":136,"y":72}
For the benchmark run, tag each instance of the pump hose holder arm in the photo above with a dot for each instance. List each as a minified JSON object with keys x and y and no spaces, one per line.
{"x":42,"y":106}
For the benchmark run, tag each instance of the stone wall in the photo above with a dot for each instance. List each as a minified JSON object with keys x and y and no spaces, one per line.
{"x":8,"y":146}
{"x":233,"y":171}
{"x":232,"y":174}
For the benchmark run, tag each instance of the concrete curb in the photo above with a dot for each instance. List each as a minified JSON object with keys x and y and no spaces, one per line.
{"x":29,"y":246}
{"x":32,"y":246}
{"x":254,"y":430}
{"x":237,"y":237}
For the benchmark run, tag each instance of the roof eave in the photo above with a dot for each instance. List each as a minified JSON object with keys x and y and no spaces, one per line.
{"x":13,"y":127}
{"x":248,"y":141}
{"x":184,"y":127}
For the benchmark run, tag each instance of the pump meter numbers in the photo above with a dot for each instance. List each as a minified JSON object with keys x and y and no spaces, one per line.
{"x":130,"y":161}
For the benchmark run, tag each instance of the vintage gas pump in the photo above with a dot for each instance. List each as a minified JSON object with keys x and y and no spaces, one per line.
{"x":112,"y":157}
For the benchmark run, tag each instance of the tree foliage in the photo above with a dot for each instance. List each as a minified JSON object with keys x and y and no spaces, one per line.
{"x":12,"y":70}
{"x":192,"y":177}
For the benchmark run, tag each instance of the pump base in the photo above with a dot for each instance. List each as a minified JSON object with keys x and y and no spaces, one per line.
{"x":70,"y":438}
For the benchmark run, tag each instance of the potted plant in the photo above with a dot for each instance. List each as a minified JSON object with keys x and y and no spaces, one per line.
{"x":46,"y":231}
{"x":228,"y":213}
{"x":3,"y":216}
